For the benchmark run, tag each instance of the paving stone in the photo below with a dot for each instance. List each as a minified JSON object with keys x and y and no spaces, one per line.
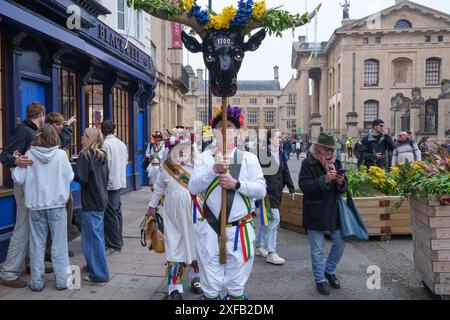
{"x":151,"y":270}
{"x":127,"y":281}
{"x":94,"y":293}
{"x":124,"y":267}
{"x":132,"y":294}
{"x":153,"y":282}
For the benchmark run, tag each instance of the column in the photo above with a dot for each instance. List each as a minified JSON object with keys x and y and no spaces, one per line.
{"x":443,"y":122}
{"x":323,"y":101}
{"x":315,"y":96}
{"x":302,"y":114}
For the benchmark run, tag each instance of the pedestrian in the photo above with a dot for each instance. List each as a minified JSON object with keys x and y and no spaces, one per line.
{"x":298,"y":149}
{"x":377,"y":146}
{"x":155,"y":153}
{"x":178,"y":213}
{"x":446,"y":145}
{"x":321,"y":185}
{"x":277,"y":177}
{"x":91,"y":172}
{"x":405,"y":150}
{"x":425,"y":148}
{"x":13,"y":156}
{"x":246,"y":181}
{"x":339,"y":150}
{"x":357,"y":152}
{"x":349,"y":144}
{"x":46,"y":186}
{"x":287,"y":148}
{"x":65,"y":133}
{"x":117,"y":159}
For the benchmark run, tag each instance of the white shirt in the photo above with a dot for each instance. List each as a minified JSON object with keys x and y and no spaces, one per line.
{"x":275,"y":154}
{"x":117,"y":158}
{"x":253,"y":184}
{"x":160,"y":151}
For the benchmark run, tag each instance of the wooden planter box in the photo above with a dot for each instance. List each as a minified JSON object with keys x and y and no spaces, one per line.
{"x":431,"y":237}
{"x":377,"y":212}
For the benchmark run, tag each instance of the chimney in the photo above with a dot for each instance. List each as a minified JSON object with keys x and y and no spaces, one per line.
{"x":200,"y":74}
{"x":276,"y":75}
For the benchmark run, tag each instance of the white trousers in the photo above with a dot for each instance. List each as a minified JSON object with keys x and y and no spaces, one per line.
{"x":153,"y":173}
{"x":215,"y":277}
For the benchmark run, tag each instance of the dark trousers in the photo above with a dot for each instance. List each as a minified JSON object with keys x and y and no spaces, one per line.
{"x":113,"y":221}
{"x":350,"y":152}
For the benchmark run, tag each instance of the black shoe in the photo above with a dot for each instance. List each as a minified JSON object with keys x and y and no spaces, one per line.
{"x":333,"y":280}
{"x":70,"y":254}
{"x":323,"y":288}
{"x":195,"y":286}
{"x":175,"y":295}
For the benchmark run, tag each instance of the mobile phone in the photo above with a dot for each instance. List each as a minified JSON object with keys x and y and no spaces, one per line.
{"x":341,"y":172}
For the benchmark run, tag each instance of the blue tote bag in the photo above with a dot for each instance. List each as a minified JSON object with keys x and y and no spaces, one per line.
{"x":352,"y":225}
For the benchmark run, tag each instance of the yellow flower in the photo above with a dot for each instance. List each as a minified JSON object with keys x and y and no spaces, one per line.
{"x":395,"y":170}
{"x":217,"y":111}
{"x":187,"y":5}
{"x":259,"y":9}
{"x":223,"y":19}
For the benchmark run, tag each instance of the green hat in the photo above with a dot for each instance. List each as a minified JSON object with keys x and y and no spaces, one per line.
{"x":327,"y":140}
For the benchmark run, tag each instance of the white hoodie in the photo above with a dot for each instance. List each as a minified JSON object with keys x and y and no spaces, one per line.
{"x":47,"y":181}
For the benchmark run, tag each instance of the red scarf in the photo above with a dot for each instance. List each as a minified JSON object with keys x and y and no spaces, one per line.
{"x":320,"y":155}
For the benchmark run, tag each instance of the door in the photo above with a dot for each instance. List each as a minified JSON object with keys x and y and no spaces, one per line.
{"x":140,"y":150}
{"x":31,"y":92}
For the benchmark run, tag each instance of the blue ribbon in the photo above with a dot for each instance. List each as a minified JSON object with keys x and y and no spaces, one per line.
{"x":195,"y":213}
{"x":236,"y":238}
{"x":261,"y":214}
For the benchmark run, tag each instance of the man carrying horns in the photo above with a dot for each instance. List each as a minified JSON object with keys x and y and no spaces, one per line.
{"x":241,"y":175}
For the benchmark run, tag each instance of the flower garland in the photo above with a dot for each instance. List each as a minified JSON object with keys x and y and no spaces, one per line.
{"x":234,"y":112}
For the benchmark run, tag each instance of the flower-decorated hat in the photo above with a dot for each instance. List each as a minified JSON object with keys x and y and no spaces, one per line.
{"x":179,"y":135}
{"x":156,"y":136}
{"x":234,"y":115}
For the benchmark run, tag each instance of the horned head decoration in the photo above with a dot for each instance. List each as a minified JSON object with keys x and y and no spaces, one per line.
{"x":223,"y":35}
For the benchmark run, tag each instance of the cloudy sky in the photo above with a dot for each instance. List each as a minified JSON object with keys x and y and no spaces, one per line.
{"x":258,"y":65}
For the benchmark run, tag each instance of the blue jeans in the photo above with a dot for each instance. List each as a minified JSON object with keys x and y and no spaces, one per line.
{"x":267,"y":236}
{"x":93,"y":243}
{"x":41,"y":222}
{"x":317,"y":241}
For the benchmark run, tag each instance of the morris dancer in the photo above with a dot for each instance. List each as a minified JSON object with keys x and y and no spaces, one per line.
{"x":179,"y":214}
{"x":243,"y":182}
{"x":155,"y":153}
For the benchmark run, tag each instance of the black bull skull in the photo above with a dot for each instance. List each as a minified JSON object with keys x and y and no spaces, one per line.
{"x":223,"y":52}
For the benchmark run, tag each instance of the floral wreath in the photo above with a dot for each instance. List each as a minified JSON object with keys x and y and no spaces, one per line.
{"x":233,"y":112}
{"x":177,"y":136}
{"x":155,"y":136}
{"x":247,"y":15}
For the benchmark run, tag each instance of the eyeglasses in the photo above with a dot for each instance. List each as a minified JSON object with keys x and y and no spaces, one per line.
{"x":381,"y":125}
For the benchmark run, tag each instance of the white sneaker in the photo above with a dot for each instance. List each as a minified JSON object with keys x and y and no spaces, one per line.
{"x":261,"y":252}
{"x":274,"y":258}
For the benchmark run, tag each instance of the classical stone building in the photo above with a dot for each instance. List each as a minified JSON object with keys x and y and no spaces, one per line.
{"x":260,"y":100}
{"x":154,"y":36}
{"x":389,"y":65}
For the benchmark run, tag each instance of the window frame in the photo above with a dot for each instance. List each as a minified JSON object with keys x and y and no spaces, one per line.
{"x":371,"y":73}
{"x":368,"y":117}
{"x":269,"y":114}
{"x":253,"y":100}
{"x":403,"y":24}
{"x":3,"y":110}
{"x":253,"y":116}
{"x":121,"y":116}
{"x":70,"y":94}
{"x":121,"y":13}
{"x":433,"y":72}
{"x":269,"y":101}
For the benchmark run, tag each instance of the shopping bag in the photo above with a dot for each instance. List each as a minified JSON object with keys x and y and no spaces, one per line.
{"x":352,"y":225}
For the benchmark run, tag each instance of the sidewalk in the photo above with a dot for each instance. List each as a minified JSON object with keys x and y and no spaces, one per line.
{"x":135,"y":273}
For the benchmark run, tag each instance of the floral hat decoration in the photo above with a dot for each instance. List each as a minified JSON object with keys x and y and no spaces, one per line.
{"x":234,"y":114}
{"x":156,"y":136}
{"x":179,"y":135}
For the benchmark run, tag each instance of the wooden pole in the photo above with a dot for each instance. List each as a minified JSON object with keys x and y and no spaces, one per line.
{"x":223,"y":211}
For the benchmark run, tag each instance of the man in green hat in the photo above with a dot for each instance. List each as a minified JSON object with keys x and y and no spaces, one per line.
{"x":322,"y":181}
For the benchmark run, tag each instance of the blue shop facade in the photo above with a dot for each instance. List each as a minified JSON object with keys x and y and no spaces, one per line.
{"x":84,"y":72}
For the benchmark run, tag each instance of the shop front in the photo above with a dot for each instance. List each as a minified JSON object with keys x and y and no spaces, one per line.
{"x":86,"y":73}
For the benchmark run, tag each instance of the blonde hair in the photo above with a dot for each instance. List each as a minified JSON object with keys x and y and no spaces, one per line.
{"x":94,"y":144}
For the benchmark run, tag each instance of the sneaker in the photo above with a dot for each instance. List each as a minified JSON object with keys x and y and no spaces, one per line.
{"x":333,"y":281}
{"x":274,"y":258}
{"x":111,"y":251}
{"x":88,"y":279}
{"x":175,"y":295}
{"x":37,"y":289}
{"x":323,"y":288}
{"x":16,"y":283}
{"x":261,"y":252}
{"x":195,"y":286}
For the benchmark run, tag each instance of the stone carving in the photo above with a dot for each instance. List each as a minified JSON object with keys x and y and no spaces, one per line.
{"x":431,"y":111}
{"x":346,"y":9}
{"x":445,"y":89}
{"x":399,"y":102}
{"x":417,"y":99}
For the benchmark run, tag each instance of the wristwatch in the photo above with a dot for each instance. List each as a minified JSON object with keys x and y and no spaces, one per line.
{"x":238,"y":185}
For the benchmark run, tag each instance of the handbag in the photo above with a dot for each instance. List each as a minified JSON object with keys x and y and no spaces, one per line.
{"x":151,"y":231}
{"x":352,"y":225}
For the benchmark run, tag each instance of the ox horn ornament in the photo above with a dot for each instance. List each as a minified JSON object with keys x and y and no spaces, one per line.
{"x":224,"y":46}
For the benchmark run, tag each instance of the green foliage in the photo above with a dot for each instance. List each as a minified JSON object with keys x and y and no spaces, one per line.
{"x":276,"y":21}
{"x":150,"y":6}
{"x":360,"y":185}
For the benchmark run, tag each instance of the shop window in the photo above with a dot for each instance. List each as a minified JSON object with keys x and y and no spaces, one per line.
{"x":69,"y":103}
{"x":121,"y":115}
{"x":33,"y":58}
{"x":94,"y":105}
{"x":370,"y":113}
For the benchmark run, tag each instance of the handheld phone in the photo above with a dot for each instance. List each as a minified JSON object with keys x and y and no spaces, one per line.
{"x":341,"y":172}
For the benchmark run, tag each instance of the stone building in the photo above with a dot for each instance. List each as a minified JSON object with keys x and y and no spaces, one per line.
{"x":154,"y":36}
{"x":389,"y":65}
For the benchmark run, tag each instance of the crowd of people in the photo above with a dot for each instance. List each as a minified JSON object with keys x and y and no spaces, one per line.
{"x":189,"y":194}
{"x":42,"y":173}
